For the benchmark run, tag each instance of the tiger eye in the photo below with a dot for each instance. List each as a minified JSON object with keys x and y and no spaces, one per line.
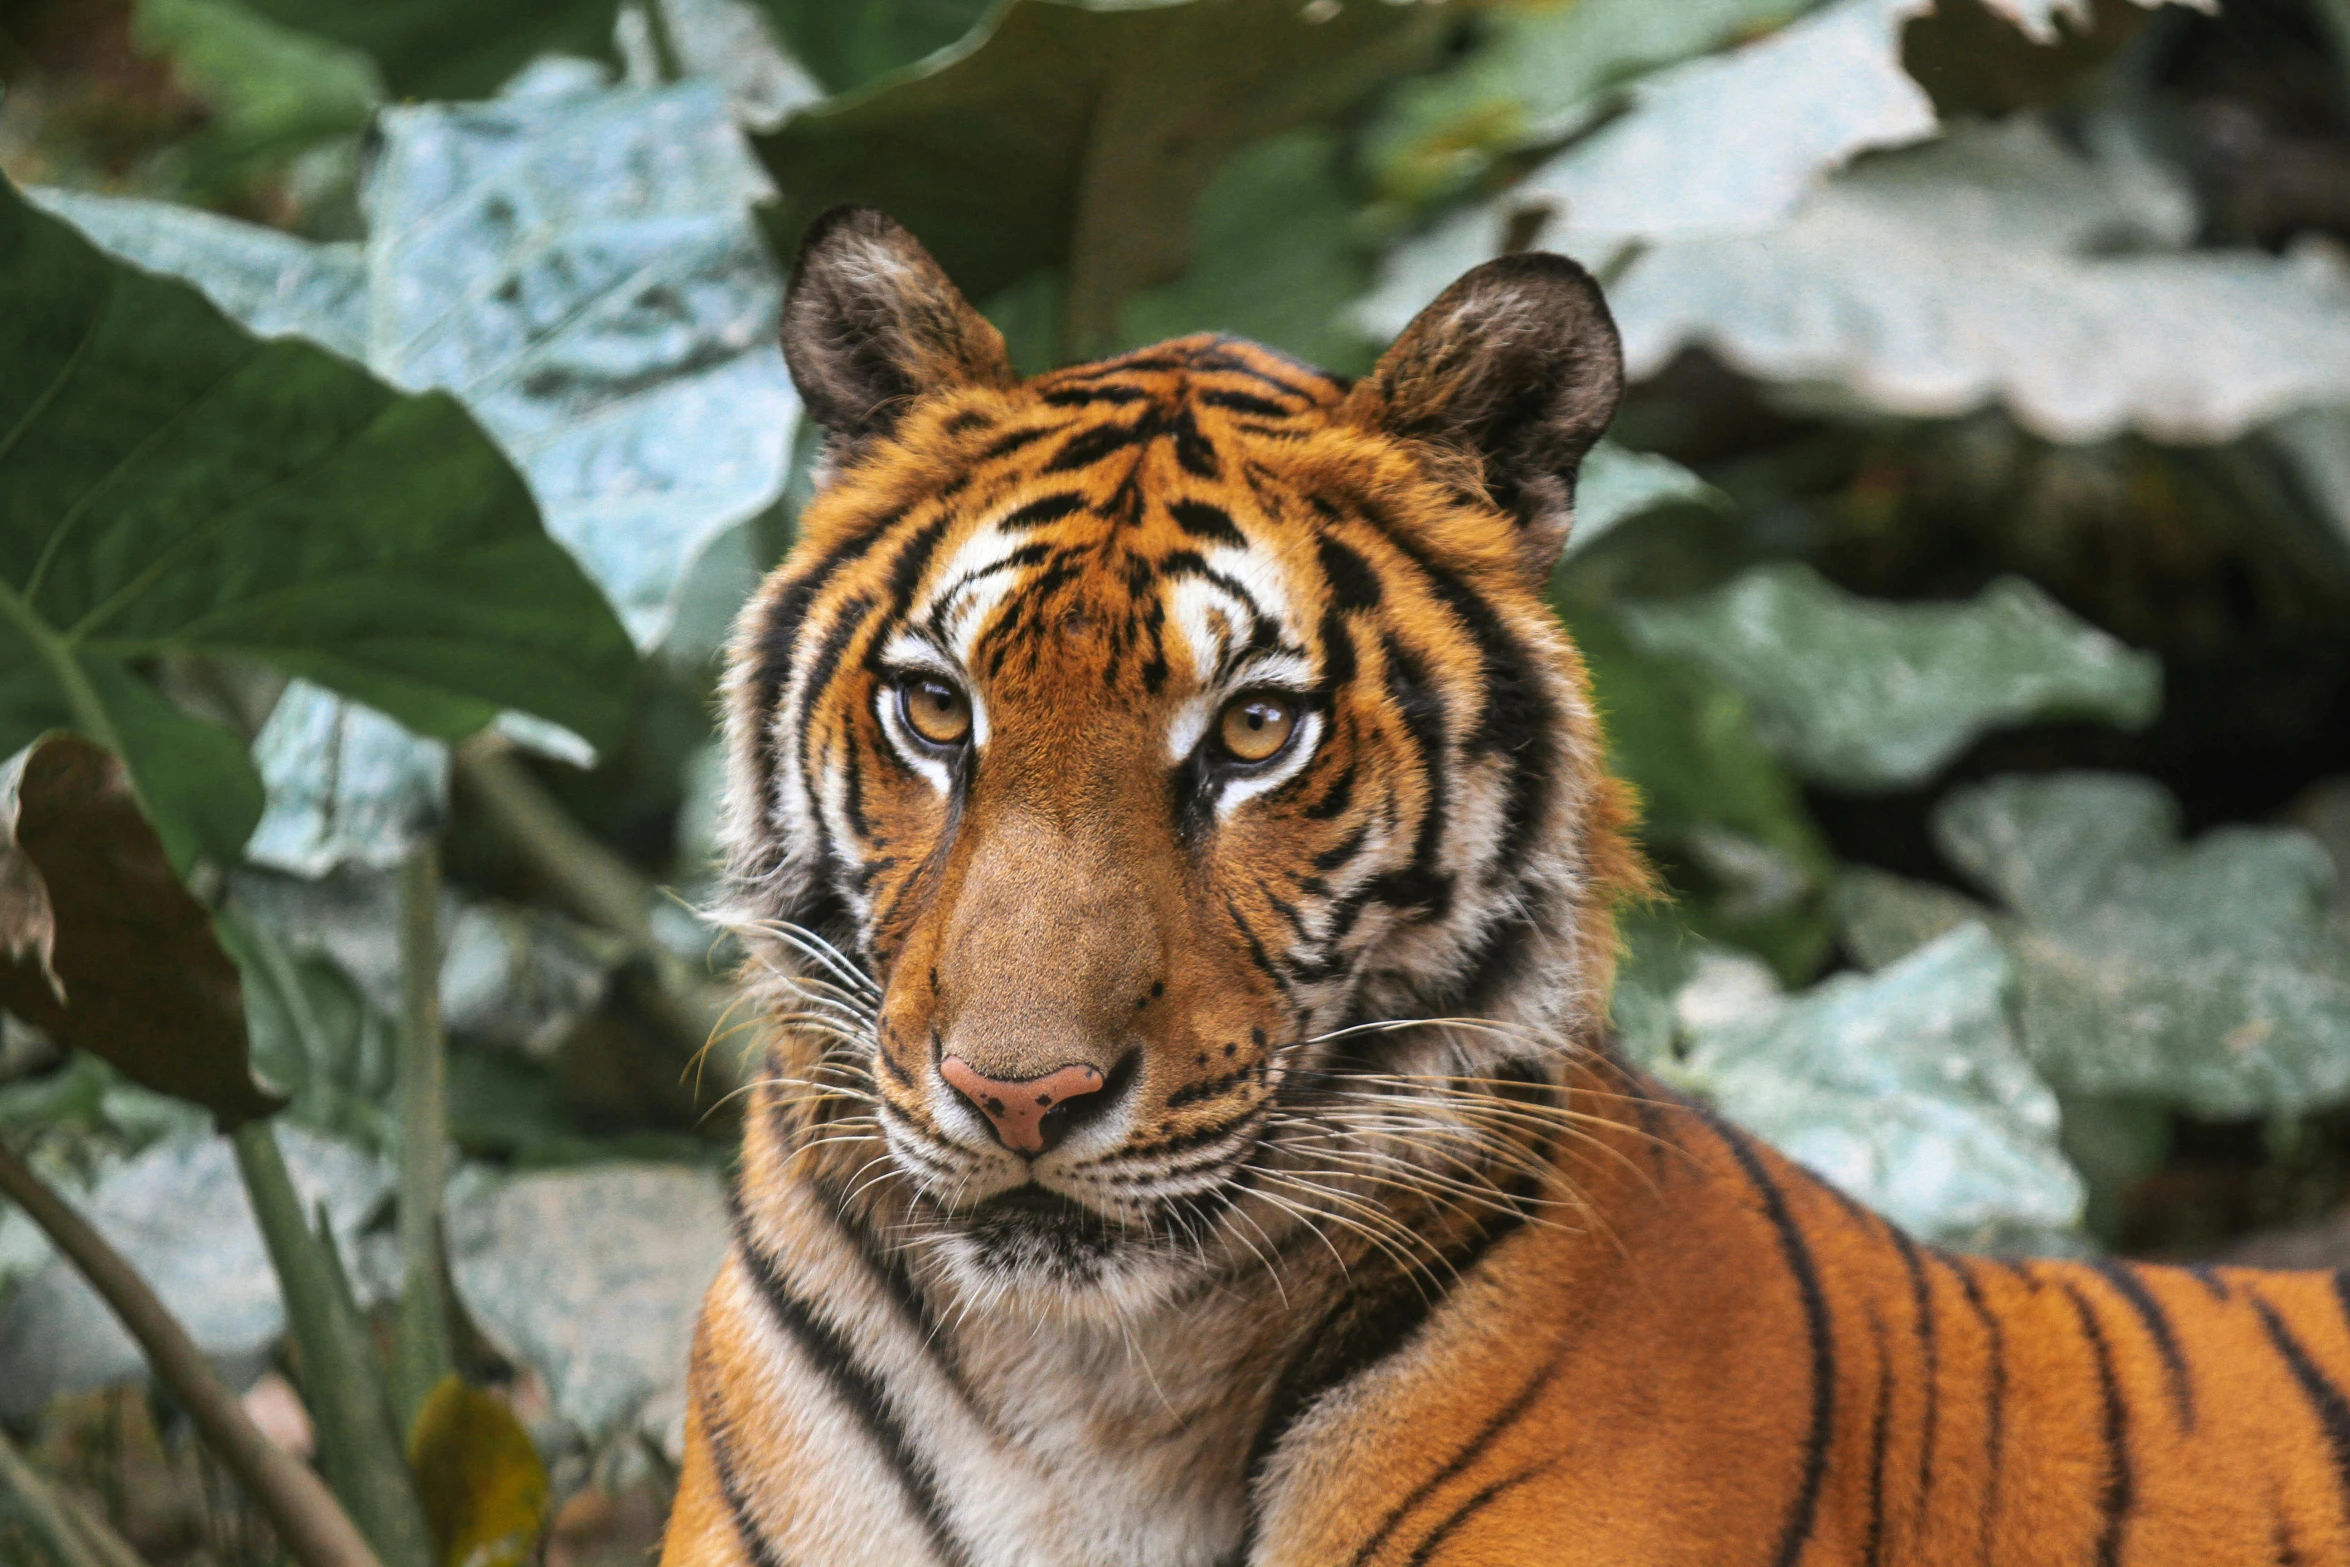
{"x":936,"y":711}
{"x":1254,"y":727}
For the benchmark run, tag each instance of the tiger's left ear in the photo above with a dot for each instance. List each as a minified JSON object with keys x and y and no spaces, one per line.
{"x":1518,"y":364}
{"x":871,"y":325}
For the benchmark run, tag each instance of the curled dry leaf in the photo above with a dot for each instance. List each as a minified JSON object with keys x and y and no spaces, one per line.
{"x":105,"y":950}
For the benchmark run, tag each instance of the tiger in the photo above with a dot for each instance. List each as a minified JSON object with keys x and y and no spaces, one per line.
{"x":1177,"y":869}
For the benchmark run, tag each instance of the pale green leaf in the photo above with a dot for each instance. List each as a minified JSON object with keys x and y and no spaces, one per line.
{"x":1871,"y":695}
{"x":1907,"y":1089}
{"x":1617,"y":484}
{"x":1727,"y":145}
{"x":2206,"y":973}
{"x":1993,"y":267}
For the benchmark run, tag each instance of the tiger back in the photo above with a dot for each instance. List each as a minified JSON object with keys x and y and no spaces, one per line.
{"x":1173,"y":843}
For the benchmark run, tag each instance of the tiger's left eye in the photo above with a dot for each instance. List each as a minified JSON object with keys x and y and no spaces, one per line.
{"x":1256,"y":726}
{"x":935,"y":710}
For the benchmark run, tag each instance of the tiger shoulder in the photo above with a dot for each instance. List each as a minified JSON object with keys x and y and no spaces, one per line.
{"x":1174,"y":848}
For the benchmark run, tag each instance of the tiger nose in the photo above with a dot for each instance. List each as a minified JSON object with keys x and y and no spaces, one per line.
{"x":1031,"y":1114}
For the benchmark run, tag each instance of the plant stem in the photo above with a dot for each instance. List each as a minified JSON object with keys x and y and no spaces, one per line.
{"x":359,"y":1448}
{"x":308,"y":1521}
{"x":421,"y":1354}
{"x":81,"y":698}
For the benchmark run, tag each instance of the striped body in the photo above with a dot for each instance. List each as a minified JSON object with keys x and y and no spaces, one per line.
{"x":1184,"y":741}
{"x":1730,"y":1364}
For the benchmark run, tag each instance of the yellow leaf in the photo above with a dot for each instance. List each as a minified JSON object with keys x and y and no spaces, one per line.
{"x":483,"y":1486}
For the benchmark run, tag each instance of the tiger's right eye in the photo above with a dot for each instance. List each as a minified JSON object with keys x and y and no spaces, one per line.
{"x":935,"y":710}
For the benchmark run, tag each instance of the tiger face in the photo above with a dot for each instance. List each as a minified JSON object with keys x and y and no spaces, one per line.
{"x":1128,"y":761}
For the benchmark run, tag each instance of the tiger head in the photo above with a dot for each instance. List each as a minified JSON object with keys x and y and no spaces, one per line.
{"x":1126,"y":758}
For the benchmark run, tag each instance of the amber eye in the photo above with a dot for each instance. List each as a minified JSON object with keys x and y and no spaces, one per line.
{"x":1254,"y":727}
{"x":935,"y":710}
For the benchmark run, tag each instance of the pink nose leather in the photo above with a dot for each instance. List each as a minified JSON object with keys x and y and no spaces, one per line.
{"x":1018,"y":1109}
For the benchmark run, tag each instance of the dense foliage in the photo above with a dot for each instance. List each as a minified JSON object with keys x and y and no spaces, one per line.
{"x":391,"y":420}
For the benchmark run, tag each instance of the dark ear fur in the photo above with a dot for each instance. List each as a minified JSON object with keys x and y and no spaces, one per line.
{"x":870,"y":323}
{"x":1517,"y":363}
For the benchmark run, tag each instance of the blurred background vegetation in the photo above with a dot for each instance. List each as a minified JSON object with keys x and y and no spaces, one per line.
{"x":1967,"y":585}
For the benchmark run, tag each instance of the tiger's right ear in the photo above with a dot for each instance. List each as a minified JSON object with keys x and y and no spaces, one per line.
{"x":870,"y":323}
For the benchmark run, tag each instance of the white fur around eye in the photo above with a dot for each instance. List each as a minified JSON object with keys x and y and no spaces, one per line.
{"x":907,"y":654}
{"x":1302,"y":741}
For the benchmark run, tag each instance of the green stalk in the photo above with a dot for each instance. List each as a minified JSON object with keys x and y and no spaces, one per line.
{"x":81,"y":698}
{"x":359,"y":1448}
{"x":310,"y":1524}
{"x":421,"y":1355}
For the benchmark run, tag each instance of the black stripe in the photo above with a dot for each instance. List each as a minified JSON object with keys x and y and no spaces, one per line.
{"x":1368,"y":1325}
{"x":2325,"y":1399}
{"x":1194,"y":452}
{"x":1803,"y":1510}
{"x":738,"y":1505}
{"x":1084,"y":396}
{"x":1422,"y":884}
{"x":1049,"y":508}
{"x":856,"y":1388}
{"x":1921,"y":1298}
{"x":1873,"y":1552}
{"x":779,"y":633}
{"x":1005,"y":445}
{"x":1204,"y":521}
{"x":1247,"y":403}
{"x":2210,"y":1279}
{"x":1467,"y":1510}
{"x":896,"y":1280}
{"x":2130,"y":1287}
{"x":1088,"y":447}
{"x":1994,"y":1403}
{"x":1508,"y":1415}
{"x":2119,"y":1492}
{"x":1353,"y":584}
{"x":2342,"y":1293}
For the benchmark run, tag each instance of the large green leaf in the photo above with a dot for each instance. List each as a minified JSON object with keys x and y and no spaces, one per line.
{"x":2000,"y":265}
{"x":1866,"y":695}
{"x":847,"y":43}
{"x":451,"y":48}
{"x":1277,"y":258}
{"x":1907,"y":1088}
{"x":1541,"y":70}
{"x":1723,"y":145}
{"x":1078,"y":134}
{"x":272,"y":90}
{"x":170,"y":483}
{"x":2208,"y":974}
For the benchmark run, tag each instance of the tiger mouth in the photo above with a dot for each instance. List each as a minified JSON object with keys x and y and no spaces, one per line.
{"x":1032,"y":1224}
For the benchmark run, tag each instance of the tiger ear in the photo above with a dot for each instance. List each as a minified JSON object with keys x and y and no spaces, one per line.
{"x":870,"y":323}
{"x":1517,"y":364}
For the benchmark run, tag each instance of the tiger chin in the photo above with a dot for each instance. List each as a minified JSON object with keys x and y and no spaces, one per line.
{"x":1174,"y":847}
